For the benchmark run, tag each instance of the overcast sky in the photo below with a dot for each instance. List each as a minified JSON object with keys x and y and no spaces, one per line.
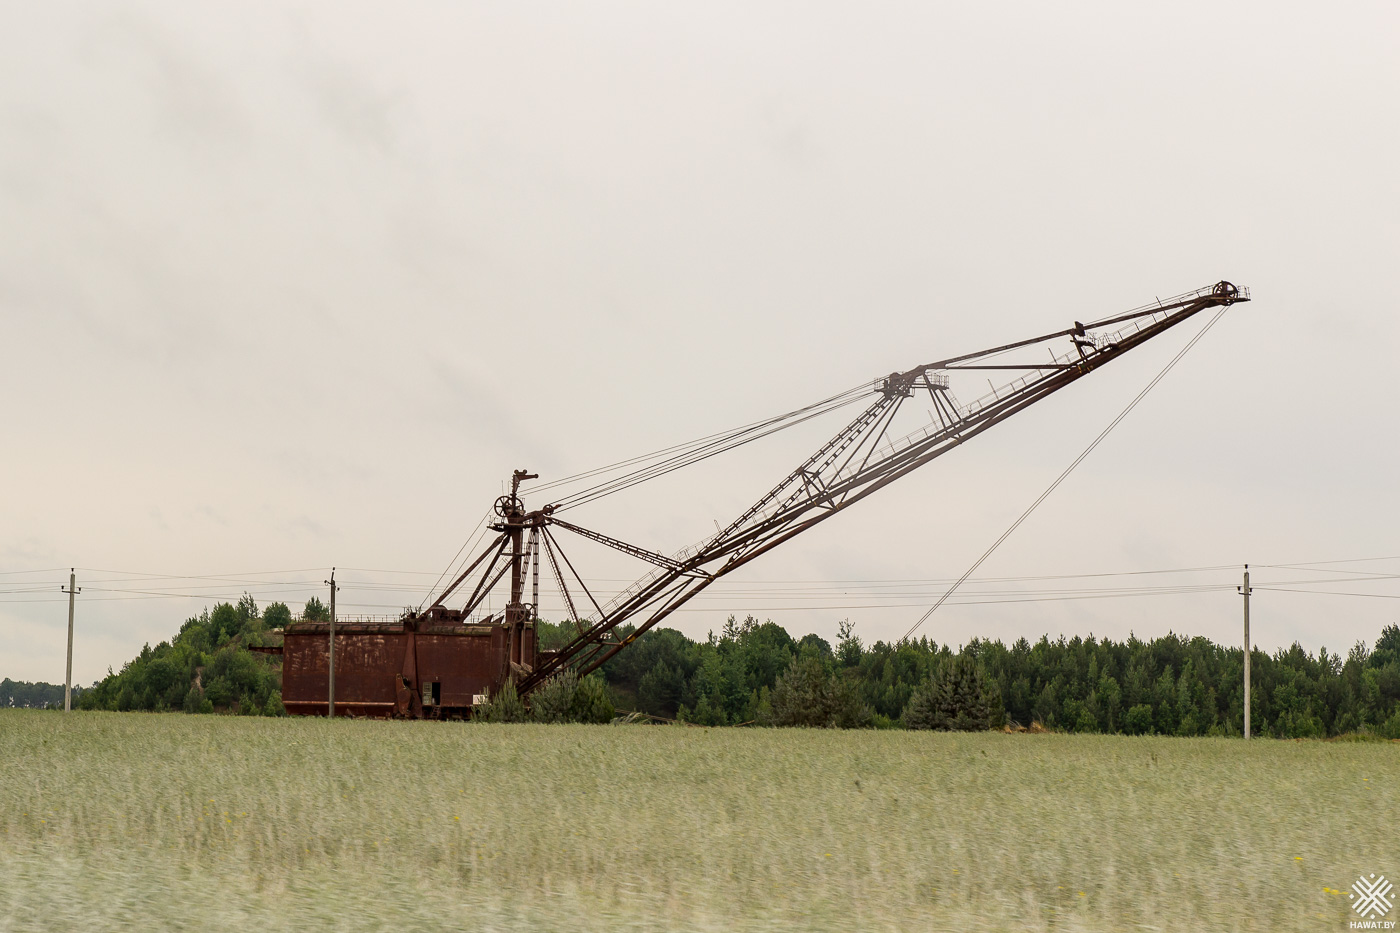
{"x":288,"y":285}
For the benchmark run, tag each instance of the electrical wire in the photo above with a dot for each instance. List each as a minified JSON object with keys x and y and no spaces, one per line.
{"x":229,"y":577}
{"x":810,"y":592}
{"x":1277,"y":589}
{"x":1312,"y":569}
{"x":237,"y":578}
{"x":756,"y":604}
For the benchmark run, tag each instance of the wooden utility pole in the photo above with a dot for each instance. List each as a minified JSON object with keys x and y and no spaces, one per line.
{"x":1244,"y":590}
{"x":68,"y":677}
{"x":330,"y":706}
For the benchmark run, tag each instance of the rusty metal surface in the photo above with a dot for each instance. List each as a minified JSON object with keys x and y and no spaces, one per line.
{"x":387,"y":668}
{"x":462,"y":666}
{"x":365,"y":662}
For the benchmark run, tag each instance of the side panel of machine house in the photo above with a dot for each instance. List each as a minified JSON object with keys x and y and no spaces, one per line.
{"x":389,"y":669}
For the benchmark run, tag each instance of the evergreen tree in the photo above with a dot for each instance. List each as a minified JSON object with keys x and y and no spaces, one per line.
{"x":659,"y":692}
{"x":505,"y":706}
{"x":808,"y":695}
{"x":592,"y":702}
{"x":554,"y":700}
{"x":953,"y":699}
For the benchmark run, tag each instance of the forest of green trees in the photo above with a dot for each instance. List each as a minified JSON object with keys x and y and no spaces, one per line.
{"x":206,"y":668}
{"x":27,"y":695}
{"x":1170,"y":685}
{"x":756,"y":673}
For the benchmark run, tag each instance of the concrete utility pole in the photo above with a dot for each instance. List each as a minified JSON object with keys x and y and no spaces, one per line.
{"x":330,"y":706}
{"x":68,"y":678}
{"x":1244,"y":590}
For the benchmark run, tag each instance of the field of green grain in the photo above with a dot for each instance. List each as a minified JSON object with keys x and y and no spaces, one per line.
{"x":124,"y":821}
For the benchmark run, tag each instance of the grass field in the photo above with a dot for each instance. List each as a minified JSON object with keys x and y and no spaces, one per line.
{"x":121,"y":821}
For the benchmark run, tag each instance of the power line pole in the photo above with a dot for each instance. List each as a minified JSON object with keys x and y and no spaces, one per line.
{"x":330,"y":706}
{"x":68,"y":677}
{"x":1244,"y":590}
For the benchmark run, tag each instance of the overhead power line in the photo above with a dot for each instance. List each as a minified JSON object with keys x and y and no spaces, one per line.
{"x":814,"y":598}
{"x":1277,"y":589}
{"x":761,"y":596}
{"x":1314,"y":563}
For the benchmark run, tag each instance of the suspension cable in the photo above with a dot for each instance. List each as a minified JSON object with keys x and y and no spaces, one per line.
{"x":1069,"y":469}
{"x":861,"y":389}
{"x":452,"y":565}
{"x":684,"y":455}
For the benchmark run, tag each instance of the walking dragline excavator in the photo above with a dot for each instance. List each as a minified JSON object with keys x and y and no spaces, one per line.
{"x":440,"y":661}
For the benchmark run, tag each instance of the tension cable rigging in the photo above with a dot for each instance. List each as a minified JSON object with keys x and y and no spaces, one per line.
{"x":1068,"y":470}
{"x":454,"y":563}
{"x":691,"y":452}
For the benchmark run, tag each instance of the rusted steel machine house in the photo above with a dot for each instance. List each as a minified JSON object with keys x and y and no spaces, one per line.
{"x":441,"y":661}
{"x":414,"y":667}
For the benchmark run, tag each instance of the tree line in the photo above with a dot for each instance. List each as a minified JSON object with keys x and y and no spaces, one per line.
{"x":756,"y":673}
{"x":24,"y":694}
{"x":206,"y":668}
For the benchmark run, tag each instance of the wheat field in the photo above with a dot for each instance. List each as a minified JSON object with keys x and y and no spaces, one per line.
{"x":113,"y":821}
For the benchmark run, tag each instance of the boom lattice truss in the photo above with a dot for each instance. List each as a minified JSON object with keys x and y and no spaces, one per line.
{"x":860,"y":459}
